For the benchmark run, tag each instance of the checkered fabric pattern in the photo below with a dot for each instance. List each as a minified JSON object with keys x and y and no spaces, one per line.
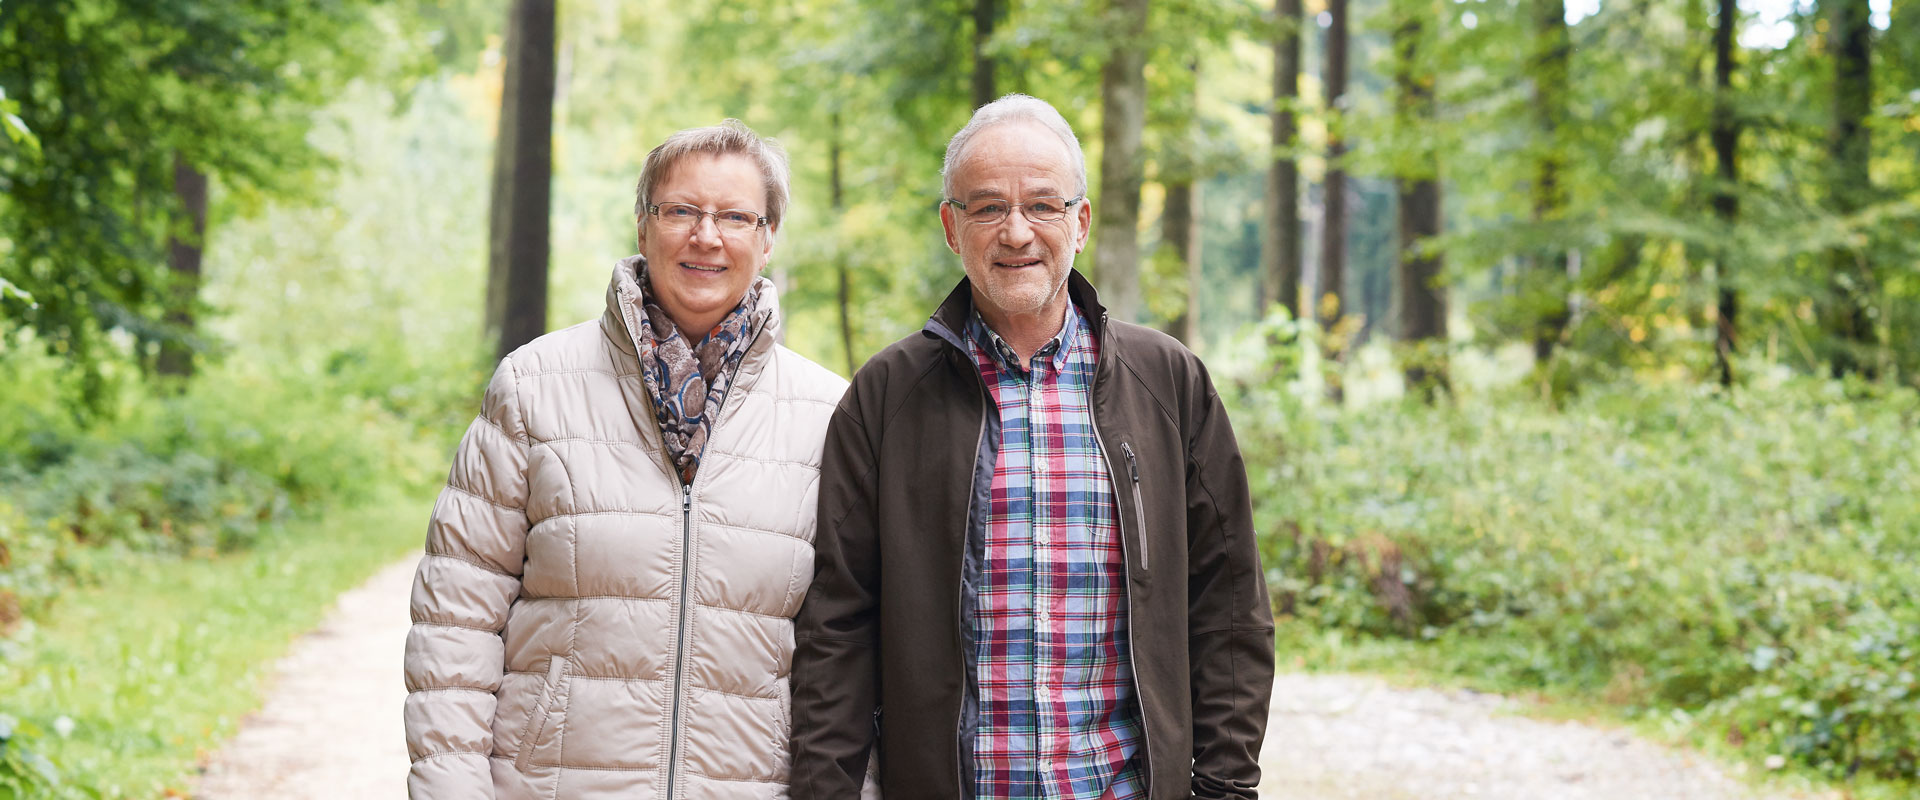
{"x":1058,"y":715}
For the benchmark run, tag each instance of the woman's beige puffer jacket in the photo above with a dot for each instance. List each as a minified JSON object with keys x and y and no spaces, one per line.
{"x":586,"y":628}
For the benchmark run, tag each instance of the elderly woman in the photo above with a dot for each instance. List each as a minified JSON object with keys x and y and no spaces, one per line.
{"x":606,"y":604}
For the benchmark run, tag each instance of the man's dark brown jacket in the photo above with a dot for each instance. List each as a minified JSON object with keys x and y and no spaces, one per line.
{"x":879,"y":643}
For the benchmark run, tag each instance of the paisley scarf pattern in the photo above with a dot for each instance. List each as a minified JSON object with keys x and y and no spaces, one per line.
{"x":689,"y":380}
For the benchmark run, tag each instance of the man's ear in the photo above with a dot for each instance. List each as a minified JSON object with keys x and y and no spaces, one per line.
{"x":1085,"y":215}
{"x":640,"y":235}
{"x":767,"y":252}
{"x":951,"y":226}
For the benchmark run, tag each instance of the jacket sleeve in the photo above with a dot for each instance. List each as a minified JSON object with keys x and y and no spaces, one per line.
{"x":1230,"y":616}
{"x":836,"y":652}
{"x":476,"y":543}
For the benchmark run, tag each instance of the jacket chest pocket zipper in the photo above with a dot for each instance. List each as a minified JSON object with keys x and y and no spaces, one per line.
{"x":1139,"y":508}
{"x":537,"y":722}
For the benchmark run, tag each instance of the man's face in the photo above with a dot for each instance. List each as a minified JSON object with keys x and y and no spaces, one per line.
{"x":1018,"y":266}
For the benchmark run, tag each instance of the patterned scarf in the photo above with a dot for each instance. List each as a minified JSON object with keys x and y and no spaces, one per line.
{"x":688,"y":381}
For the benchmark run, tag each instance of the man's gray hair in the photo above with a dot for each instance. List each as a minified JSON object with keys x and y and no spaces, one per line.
{"x":731,"y":137}
{"x":1014,"y":107}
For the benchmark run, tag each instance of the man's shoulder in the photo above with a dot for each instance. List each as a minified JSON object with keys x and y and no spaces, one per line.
{"x":1154,"y":357}
{"x":905,"y":360}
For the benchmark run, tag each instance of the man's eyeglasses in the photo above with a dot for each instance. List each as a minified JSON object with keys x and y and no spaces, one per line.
{"x":681,"y":217}
{"x":994,"y":210}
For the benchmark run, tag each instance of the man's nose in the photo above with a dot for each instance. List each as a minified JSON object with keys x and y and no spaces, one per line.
{"x":1016,"y":230}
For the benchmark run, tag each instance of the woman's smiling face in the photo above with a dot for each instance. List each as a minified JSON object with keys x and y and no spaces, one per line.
{"x":700,"y":274}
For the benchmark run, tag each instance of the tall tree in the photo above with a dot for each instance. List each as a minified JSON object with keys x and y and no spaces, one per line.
{"x":184,"y":251}
{"x":1123,"y":100}
{"x":1179,"y":234}
{"x":1726,"y":204}
{"x":985,"y":14}
{"x":523,"y":179}
{"x":1551,"y":67}
{"x":1281,"y":248}
{"x":1421,"y":301}
{"x":1180,"y":157}
{"x":1850,"y":185}
{"x":836,"y":198}
{"x":112,"y":90}
{"x":1328,"y":307}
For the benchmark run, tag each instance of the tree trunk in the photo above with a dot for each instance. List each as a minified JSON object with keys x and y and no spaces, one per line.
{"x":1850,"y":40}
{"x":985,"y":14}
{"x":1123,"y":98}
{"x":1552,"y":50}
{"x":1422,"y":303}
{"x":1328,"y":308}
{"x":1180,"y":220}
{"x":1726,"y":205}
{"x":1180,"y":232}
{"x":521,"y":221}
{"x":499,"y":190}
{"x":844,"y":294}
{"x":1282,"y":245}
{"x":185,"y":245}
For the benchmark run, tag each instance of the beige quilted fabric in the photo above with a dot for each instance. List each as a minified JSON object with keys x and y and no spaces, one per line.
{"x":577,"y":632}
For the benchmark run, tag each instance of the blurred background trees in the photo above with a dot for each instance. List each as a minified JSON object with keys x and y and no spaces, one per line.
{"x":1632,"y":185}
{"x":255,"y":257}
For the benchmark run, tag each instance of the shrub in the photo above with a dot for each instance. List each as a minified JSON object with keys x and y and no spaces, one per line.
{"x":213,"y":468}
{"x":1747,"y":557}
{"x":23,"y":772}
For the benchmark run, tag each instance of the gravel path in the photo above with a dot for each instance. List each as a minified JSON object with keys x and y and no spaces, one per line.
{"x":1340,"y":737}
{"x":331,"y":729}
{"x":331,"y":725}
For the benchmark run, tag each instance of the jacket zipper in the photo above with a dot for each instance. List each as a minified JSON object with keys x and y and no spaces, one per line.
{"x":680,"y":635}
{"x":960,"y":586}
{"x":1133,"y":663}
{"x":686,"y":576}
{"x":1139,"y":508}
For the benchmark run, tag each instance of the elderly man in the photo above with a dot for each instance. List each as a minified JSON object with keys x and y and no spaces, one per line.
{"x":1036,"y":574}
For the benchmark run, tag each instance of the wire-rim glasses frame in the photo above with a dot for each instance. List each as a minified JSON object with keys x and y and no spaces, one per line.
{"x":1038,"y":210}
{"x":686,"y":217}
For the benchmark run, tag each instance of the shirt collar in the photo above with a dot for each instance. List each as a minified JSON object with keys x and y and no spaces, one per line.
{"x":1053,"y":354}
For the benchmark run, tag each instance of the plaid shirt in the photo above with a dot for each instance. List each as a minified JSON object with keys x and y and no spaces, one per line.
{"x":1057,"y":715}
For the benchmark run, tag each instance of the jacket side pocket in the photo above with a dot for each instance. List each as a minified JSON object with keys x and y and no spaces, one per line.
{"x":785,"y":688}
{"x":537,"y":721}
{"x":1139,"y":507}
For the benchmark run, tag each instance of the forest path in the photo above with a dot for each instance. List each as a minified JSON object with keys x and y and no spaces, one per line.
{"x":1347,"y":737}
{"x":331,"y":728}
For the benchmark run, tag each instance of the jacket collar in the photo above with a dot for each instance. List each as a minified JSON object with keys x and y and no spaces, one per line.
{"x":949,"y":321}
{"x":623,"y":301}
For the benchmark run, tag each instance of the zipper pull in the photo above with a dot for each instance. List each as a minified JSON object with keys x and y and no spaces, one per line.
{"x":686,"y":497}
{"x":1133,"y":467}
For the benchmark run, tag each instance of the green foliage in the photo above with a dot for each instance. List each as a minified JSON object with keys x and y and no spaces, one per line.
{"x":158,"y":551}
{"x":16,"y":128}
{"x":117,"y":94}
{"x":25,"y":773}
{"x":129,"y":682}
{"x":1747,"y":558}
{"x":206,"y":471}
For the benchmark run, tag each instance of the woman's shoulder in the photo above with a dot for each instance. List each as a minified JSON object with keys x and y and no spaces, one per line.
{"x":576,"y":348}
{"x":800,"y":378}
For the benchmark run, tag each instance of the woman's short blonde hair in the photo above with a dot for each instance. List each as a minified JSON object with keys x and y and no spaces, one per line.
{"x":730,"y":137}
